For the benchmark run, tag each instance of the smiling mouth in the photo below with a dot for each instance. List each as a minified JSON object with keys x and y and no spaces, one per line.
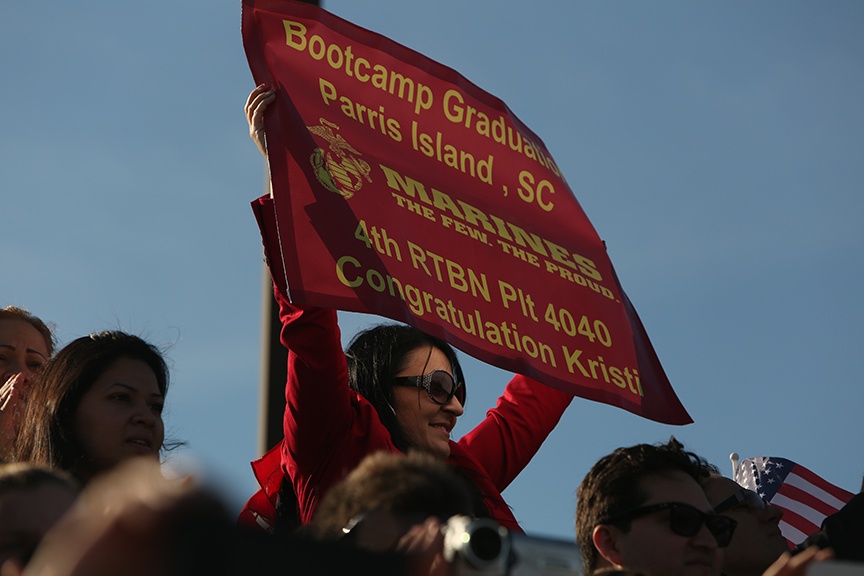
{"x":443,"y":427}
{"x":140,"y":443}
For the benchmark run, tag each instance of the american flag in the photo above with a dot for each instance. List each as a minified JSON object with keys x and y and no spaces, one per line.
{"x":805,"y":498}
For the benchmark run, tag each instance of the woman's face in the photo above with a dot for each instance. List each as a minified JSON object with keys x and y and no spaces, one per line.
{"x":22,"y":349}
{"x":426,"y":425}
{"x":120,"y":415}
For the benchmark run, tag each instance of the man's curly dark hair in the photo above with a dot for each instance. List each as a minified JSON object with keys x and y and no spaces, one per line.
{"x":613,"y":485}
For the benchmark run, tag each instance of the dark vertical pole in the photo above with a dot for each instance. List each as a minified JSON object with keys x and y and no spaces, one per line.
{"x":274,"y":357}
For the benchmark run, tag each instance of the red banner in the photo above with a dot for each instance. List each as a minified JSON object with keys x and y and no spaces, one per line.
{"x":404,"y":190}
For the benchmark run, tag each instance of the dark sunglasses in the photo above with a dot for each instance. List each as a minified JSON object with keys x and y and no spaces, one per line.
{"x":751,"y":500}
{"x":684,"y":520}
{"x":439,"y":384}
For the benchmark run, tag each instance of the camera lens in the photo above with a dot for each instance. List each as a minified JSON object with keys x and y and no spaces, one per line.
{"x":485,"y":543}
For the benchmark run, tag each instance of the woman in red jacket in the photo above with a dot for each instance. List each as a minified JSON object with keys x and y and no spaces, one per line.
{"x":394,"y":389}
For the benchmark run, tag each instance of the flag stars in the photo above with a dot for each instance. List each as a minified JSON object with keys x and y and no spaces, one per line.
{"x":770,"y":477}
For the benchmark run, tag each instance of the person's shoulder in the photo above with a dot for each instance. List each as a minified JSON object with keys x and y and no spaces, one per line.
{"x":844,"y":530}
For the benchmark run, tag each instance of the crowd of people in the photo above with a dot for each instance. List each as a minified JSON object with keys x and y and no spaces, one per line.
{"x":366,"y":477}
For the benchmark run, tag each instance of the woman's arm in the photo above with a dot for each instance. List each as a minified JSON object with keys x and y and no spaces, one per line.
{"x":328,"y":427}
{"x":512,"y":432}
{"x":318,"y":401}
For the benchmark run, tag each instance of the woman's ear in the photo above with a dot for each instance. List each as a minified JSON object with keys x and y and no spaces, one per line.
{"x":606,"y":542}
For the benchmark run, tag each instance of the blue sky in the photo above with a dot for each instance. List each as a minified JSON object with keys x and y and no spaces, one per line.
{"x":718,"y":149}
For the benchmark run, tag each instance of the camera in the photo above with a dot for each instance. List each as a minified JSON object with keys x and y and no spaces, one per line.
{"x":482,"y":546}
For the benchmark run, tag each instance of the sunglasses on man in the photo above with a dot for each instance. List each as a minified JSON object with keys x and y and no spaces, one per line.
{"x":684,"y":520}
{"x":746,"y":498}
{"x":439,"y":384}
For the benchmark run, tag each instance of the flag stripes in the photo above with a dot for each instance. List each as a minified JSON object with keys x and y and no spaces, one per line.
{"x":805,"y":498}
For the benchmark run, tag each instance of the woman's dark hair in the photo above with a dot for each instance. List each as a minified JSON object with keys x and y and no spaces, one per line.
{"x":376,"y":355}
{"x":46,"y":436}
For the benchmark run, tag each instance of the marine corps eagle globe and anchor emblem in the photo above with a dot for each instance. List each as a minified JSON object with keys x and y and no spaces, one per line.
{"x":338,"y":168}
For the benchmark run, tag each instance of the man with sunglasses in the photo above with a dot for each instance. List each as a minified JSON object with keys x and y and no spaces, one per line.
{"x":757,"y":542}
{"x":642,"y":508}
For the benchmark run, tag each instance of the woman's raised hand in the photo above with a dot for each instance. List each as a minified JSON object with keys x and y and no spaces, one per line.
{"x":256,"y":104}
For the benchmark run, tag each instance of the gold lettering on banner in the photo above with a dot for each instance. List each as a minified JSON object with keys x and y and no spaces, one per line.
{"x":597,"y":369}
{"x":508,"y":333}
{"x":470,"y":322}
{"x":344,"y":60}
{"x":498,"y":129}
{"x":376,"y":119}
{"x":435,"y":147}
{"x":513,"y":240}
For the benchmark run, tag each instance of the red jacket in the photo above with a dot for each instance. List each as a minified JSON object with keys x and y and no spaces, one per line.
{"x":329,"y":428}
